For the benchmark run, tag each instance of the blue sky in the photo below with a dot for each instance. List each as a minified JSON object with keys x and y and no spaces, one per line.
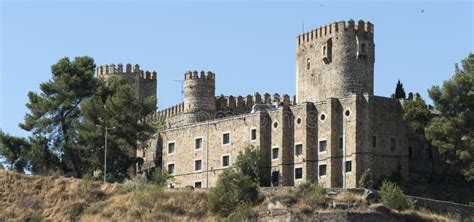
{"x":250,"y":45}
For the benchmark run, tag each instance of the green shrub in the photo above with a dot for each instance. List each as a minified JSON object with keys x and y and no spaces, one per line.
{"x":251,"y":162}
{"x":135,"y":184}
{"x":312,"y":194}
{"x":233,"y":188}
{"x":35,"y":216}
{"x":243,"y":212}
{"x":393,"y":197}
{"x":160,"y":177}
{"x":366,"y":180}
{"x":85,"y":185}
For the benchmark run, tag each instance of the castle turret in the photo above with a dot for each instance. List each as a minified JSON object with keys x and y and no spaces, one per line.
{"x":199,"y":96}
{"x":335,"y":61}
{"x":144,"y":82}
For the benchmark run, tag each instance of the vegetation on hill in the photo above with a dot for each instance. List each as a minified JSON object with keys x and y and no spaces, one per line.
{"x":67,"y":119}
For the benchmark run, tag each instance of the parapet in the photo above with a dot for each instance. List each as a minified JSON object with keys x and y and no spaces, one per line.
{"x":199,"y":75}
{"x":165,"y":113}
{"x":341,"y":26}
{"x":106,"y":70}
{"x":245,"y":103}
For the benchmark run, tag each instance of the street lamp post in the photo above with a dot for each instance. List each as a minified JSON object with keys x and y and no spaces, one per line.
{"x":105,"y":150}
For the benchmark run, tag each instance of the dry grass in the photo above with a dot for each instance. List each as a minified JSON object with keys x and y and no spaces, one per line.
{"x":57,"y":198}
{"x":428,"y":216}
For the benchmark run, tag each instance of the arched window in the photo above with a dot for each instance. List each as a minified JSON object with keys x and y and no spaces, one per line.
{"x":308,"y":63}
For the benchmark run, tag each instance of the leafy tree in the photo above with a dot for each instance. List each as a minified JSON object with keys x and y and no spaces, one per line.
{"x":452,"y":132}
{"x":114,"y":104}
{"x":251,"y":162}
{"x":55,"y":111}
{"x":417,"y":115}
{"x":232,"y":189}
{"x":400,"y":91}
{"x":14,"y":150}
{"x":161,"y":177}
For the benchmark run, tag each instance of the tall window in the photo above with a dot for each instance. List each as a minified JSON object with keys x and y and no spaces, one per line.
{"x":274,"y":153}
{"x":225,"y":138}
{"x":171,"y":148}
{"x":198,"y":143}
{"x":171,"y":169}
{"x":197,"y":165}
{"x":225,"y":161}
{"x":322,"y":145}
{"x":298,"y":173}
{"x":410,"y":152}
{"x":298,"y":149}
{"x":374,"y":141}
{"x":308,"y":63}
{"x":322,"y":170}
{"x":348,"y":166}
{"x":253,"y":134}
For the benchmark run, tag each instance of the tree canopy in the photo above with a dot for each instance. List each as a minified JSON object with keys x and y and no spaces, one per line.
{"x":399,"y":91}
{"x":452,"y":132}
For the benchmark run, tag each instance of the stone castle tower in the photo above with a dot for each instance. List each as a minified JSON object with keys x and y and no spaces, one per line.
{"x":335,"y":61}
{"x":199,"y":96}
{"x":143,"y":82}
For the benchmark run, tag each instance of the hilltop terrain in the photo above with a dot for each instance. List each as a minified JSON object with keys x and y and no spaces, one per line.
{"x":53,"y":197}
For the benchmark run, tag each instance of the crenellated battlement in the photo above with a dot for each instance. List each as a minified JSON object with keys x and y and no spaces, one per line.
{"x":199,"y":75}
{"x":165,"y":113}
{"x":112,"y":69}
{"x":245,"y":103}
{"x":341,"y":26}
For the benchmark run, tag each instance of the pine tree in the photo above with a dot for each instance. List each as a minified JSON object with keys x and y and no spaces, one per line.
{"x":55,"y":111}
{"x":452,"y":131}
{"x":115,"y":105}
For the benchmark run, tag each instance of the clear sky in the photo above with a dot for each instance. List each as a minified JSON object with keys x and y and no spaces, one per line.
{"x":249,"y":45}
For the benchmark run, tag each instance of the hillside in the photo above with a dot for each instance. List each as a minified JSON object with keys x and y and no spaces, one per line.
{"x":36,"y":198}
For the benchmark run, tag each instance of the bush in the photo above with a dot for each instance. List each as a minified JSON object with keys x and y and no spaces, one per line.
{"x":148,"y":197}
{"x":135,"y":184}
{"x":233,"y":188}
{"x":393,"y":197}
{"x":312,"y":194}
{"x":251,"y":163}
{"x":366,"y":180}
{"x":35,"y":216}
{"x":243,"y":212}
{"x":161,"y":177}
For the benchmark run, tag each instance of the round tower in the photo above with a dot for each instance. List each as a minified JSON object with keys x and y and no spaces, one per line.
{"x":335,"y":61}
{"x":199,"y":96}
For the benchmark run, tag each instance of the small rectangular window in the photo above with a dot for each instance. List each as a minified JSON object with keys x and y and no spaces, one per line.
{"x":274,"y":153}
{"x":171,"y":169}
{"x":253,"y":134}
{"x":225,"y":138}
{"x":393,"y":143}
{"x":410,"y":152}
{"x":198,"y":143}
{"x":198,"y":184}
{"x":348,"y":166}
{"x":197,"y":165}
{"x":171,"y":148}
{"x":298,"y":173}
{"x":298,"y":149}
{"x":374,"y":141}
{"x":322,"y":170}
{"x":340,"y":143}
{"x":225,"y":161}
{"x":322,"y":145}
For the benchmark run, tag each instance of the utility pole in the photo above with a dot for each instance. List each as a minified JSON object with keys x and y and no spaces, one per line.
{"x":105,"y":152}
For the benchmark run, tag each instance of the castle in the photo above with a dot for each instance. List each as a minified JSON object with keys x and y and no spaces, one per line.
{"x":331,"y":131}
